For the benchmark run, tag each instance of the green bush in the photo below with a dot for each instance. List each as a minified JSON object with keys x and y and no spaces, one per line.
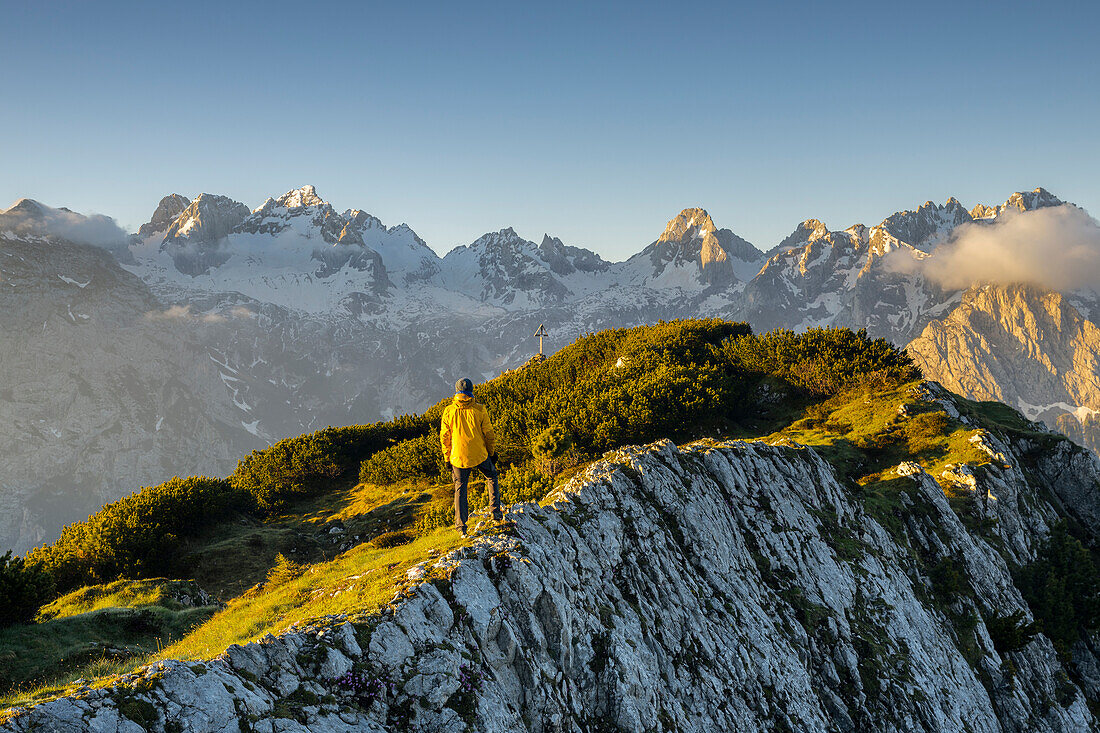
{"x":822,"y":361}
{"x":284,"y":571}
{"x":410,"y":459}
{"x":434,"y":516}
{"x":1062,"y":587}
{"x":522,"y":484}
{"x":551,"y":443}
{"x":1010,"y":633}
{"x":139,"y":535}
{"x":308,"y":464}
{"x":23,"y":589}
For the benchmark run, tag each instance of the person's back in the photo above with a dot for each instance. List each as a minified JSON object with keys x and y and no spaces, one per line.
{"x":468,"y":441}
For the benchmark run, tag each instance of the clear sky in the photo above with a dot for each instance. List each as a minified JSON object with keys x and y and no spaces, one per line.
{"x":596,"y":122}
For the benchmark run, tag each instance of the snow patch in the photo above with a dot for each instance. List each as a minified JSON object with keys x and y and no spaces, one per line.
{"x":74,"y":282}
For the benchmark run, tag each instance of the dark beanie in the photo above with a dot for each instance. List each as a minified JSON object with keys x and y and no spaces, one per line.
{"x":464,"y":386}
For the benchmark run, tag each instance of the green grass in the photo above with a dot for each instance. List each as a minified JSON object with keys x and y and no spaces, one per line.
{"x":863,"y":435}
{"x":110,"y":629}
{"x":228,"y":559}
{"x":357,"y":582}
{"x":37,"y":660}
{"x":160,"y":592}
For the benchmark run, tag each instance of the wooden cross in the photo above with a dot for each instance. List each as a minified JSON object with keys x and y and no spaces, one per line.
{"x":540,"y":333}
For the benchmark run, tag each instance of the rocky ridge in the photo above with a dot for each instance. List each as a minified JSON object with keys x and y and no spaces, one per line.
{"x":720,"y":586}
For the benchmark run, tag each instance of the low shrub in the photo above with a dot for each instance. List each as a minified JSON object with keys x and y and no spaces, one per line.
{"x":1010,"y":633}
{"x":410,"y":459}
{"x":522,"y":484}
{"x":307,"y":465}
{"x":284,"y":571}
{"x":821,"y":361}
{"x":139,"y":535}
{"x":23,"y":589}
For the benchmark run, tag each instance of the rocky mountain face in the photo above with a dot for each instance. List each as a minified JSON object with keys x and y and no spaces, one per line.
{"x":302,"y":316}
{"x":103,"y":390}
{"x":167,"y":211}
{"x":1023,"y":346}
{"x":729,"y":586}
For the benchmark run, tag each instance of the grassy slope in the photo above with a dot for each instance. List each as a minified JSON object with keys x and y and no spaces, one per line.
{"x":864,"y":435}
{"x":160,"y":592}
{"x":140,"y":623}
{"x":103,"y":641}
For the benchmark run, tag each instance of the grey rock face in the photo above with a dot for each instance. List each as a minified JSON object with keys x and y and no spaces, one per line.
{"x":167,"y":211}
{"x":928,"y":225}
{"x":196,"y":239}
{"x":1021,"y":200}
{"x":692,"y":242}
{"x":732,"y":586}
{"x":565,"y":260}
{"x":101,"y":392}
{"x":501,"y":266}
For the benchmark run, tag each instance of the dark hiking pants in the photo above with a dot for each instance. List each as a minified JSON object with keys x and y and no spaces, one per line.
{"x":461,"y":478}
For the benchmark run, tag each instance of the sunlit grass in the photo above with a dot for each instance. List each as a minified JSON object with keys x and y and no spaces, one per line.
{"x":358,"y":582}
{"x":39,"y":660}
{"x":120,"y":594}
{"x":863,"y":433}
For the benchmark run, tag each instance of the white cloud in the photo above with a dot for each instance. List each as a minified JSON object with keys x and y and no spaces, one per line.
{"x":174,"y":313}
{"x":1056,"y":248}
{"x":95,"y":229}
{"x":184,"y":313}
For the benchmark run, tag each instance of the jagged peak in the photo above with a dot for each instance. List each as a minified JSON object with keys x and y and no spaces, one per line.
{"x":27,"y":207}
{"x":812,"y":229}
{"x":170,"y":207}
{"x":504,"y":236}
{"x":362,"y":220}
{"x":694,"y":221}
{"x":214,"y":198}
{"x":300,"y":197}
{"x":1037,"y":198}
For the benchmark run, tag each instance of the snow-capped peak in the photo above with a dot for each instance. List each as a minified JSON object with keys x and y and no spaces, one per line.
{"x":27,"y":207}
{"x":924,"y":228}
{"x":299,"y":197}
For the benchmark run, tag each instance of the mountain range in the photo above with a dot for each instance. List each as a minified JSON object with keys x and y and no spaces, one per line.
{"x":217,"y":329}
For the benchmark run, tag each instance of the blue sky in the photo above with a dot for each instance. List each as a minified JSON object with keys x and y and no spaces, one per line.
{"x":594,"y":122}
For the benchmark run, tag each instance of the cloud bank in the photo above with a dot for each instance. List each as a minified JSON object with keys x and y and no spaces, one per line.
{"x":184,"y":313}
{"x":30,"y":217}
{"x":1057,"y":248}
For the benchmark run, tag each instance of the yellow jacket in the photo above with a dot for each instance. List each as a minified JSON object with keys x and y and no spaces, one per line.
{"x":466,"y":434}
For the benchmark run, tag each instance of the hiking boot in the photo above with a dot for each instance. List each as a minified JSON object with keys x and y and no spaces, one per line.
{"x":498,"y":516}
{"x":462,"y":531}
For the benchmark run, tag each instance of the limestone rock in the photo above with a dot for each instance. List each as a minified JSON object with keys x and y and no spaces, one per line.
{"x":731,"y":586}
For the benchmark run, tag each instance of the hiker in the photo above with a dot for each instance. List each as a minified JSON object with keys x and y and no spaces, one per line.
{"x":468,"y":441}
